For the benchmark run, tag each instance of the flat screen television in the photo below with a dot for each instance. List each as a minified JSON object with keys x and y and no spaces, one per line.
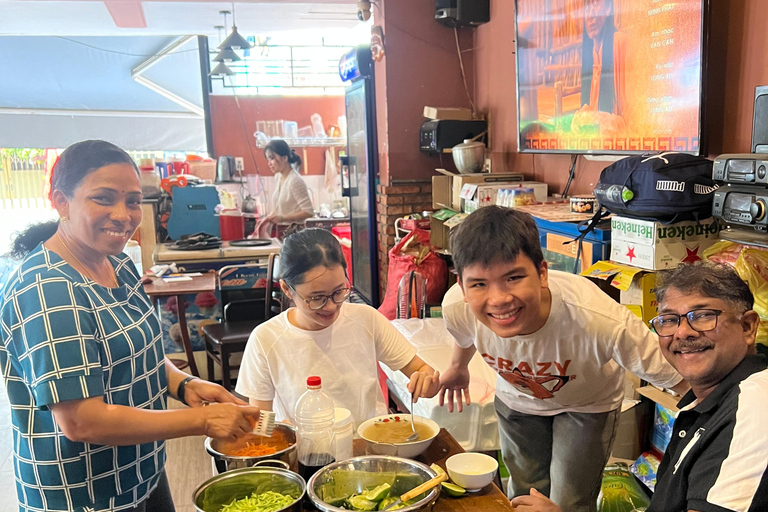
{"x":610,"y":76}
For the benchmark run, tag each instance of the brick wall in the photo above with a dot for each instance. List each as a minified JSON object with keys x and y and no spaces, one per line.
{"x":393,"y":202}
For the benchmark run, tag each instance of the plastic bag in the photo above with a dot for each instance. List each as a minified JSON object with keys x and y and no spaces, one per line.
{"x":414,"y":252}
{"x":751,"y":264}
{"x":620,"y":492}
{"x":752,"y":267}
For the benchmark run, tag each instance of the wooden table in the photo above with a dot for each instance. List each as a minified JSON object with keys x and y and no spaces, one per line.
{"x":490,"y":498}
{"x":199,"y":284}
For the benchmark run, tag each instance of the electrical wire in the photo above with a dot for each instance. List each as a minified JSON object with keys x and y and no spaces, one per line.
{"x":463,"y":74}
{"x":571,"y":173}
{"x":117,"y":52}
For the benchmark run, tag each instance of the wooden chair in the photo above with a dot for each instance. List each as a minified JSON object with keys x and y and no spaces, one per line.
{"x":244,"y":308}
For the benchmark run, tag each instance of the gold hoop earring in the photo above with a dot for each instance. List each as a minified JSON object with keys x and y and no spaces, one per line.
{"x":64,"y":220}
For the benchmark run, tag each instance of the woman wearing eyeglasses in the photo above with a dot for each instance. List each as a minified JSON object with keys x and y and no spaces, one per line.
{"x":325,"y":335}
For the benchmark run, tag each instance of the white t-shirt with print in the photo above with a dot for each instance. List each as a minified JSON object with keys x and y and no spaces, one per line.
{"x":576,"y":361}
{"x":291,"y":195}
{"x":279,"y":357}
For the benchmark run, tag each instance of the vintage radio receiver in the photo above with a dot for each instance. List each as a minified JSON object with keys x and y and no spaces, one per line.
{"x":741,"y":206}
{"x":741,"y":168}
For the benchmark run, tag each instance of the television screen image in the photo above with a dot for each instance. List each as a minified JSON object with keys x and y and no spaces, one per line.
{"x":609,"y":76}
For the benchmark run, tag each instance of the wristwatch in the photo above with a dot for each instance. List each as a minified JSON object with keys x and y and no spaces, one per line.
{"x":182,"y":387}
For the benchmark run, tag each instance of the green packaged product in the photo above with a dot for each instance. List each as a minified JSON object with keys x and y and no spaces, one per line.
{"x":620,"y":492}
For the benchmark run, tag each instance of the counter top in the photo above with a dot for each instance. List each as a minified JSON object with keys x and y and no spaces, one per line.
{"x":164,"y":254}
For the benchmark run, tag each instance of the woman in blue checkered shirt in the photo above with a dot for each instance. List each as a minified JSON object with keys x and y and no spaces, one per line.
{"x":82,"y":357}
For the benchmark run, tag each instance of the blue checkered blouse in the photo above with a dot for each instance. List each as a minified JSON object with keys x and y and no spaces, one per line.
{"x":64,"y":337}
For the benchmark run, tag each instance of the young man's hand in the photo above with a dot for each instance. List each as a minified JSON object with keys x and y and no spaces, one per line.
{"x":453,"y":384}
{"x":534,"y":502}
{"x":424,"y":384}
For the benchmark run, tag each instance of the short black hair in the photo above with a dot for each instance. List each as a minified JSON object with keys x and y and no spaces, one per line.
{"x":494,"y":233}
{"x":708,"y":279}
{"x":306,"y":249}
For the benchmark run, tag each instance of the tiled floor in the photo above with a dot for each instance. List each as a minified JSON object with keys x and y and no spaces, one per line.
{"x":188,"y":464}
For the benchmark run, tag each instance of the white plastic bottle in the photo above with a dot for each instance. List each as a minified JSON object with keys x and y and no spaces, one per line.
{"x":315,"y":415}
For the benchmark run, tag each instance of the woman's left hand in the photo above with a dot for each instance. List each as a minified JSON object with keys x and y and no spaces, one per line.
{"x":423,"y":384}
{"x":199,"y":392}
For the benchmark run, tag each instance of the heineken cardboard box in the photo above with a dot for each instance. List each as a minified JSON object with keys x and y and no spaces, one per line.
{"x":655,"y":246}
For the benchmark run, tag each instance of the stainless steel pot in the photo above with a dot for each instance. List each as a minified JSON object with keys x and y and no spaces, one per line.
{"x":370,"y":471}
{"x":219,"y":449}
{"x":469,"y":156}
{"x":240,"y":483}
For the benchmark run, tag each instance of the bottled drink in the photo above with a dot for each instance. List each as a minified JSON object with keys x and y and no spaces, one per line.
{"x":315,"y":415}
{"x":613,"y":194}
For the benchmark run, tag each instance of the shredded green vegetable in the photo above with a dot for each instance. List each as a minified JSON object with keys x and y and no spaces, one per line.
{"x":269,"y":501}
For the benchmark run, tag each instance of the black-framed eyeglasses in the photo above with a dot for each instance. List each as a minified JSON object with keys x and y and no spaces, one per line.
{"x":700,"y":320}
{"x":319,"y":301}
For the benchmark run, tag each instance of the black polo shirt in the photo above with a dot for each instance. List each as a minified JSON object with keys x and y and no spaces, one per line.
{"x":717,"y":458}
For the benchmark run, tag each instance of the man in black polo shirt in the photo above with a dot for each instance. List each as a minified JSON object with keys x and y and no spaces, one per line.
{"x":717,"y":458}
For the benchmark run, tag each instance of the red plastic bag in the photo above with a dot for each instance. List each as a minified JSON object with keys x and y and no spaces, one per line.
{"x":414,"y":252}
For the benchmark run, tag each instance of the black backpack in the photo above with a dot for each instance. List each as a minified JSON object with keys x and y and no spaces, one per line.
{"x":666,"y":187}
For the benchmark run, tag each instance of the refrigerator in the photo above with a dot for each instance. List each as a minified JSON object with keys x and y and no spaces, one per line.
{"x":359,"y":170}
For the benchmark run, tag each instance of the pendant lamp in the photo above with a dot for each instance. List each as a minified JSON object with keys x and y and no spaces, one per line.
{"x":234,"y":40}
{"x":227,"y":55}
{"x":221,"y":70}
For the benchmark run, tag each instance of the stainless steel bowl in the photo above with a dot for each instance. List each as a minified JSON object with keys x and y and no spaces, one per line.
{"x":469,"y":157}
{"x":354,"y":476}
{"x":219,"y":450}
{"x":239,"y":483}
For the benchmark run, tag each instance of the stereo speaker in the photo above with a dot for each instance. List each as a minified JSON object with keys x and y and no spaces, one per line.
{"x":462,"y":13}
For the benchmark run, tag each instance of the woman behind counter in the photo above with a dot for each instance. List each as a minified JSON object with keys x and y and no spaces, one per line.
{"x":325,"y":335}
{"x":82,"y":356}
{"x":291,"y":197}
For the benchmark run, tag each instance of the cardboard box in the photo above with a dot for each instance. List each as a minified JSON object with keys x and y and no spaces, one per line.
{"x":631,"y":430}
{"x":446,"y":190}
{"x":440,"y":223}
{"x":485,"y":195}
{"x":655,"y":246}
{"x":455,"y":114}
{"x":635,"y":286}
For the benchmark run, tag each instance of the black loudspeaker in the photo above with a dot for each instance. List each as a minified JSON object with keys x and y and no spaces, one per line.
{"x":760,"y":120}
{"x":462,"y":13}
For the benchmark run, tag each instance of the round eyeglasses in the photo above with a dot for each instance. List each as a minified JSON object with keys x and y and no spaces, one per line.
{"x":700,"y":320}
{"x":319,"y":301}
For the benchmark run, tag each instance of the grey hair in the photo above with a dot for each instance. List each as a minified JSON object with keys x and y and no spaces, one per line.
{"x":709,"y":279}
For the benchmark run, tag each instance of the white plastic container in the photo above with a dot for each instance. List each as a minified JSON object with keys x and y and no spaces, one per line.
{"x":133,"y":251}
{"x":291,"y":129}
{"x":343,"y":433}
{"x":318,"y":129}
{"x":315,"y":416}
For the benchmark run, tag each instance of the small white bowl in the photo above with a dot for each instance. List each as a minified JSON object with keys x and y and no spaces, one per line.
{"x":472,"y":471}
{"x":405,"y":450}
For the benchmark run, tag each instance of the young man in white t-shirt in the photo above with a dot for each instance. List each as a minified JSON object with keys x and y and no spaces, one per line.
{"x":560,"y":347}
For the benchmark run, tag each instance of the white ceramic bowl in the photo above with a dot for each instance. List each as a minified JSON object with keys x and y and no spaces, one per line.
{"x":406,"y":450}
{"x":472,"y":471}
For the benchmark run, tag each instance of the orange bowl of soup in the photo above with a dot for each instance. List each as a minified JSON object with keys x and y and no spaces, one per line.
{"x":386,"y":435}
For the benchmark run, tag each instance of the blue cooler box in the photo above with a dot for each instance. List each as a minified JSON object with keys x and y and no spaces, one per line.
{"x":560,"y":249}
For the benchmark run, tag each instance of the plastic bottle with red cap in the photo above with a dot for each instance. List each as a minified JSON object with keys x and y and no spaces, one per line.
{"x":315,"y":416}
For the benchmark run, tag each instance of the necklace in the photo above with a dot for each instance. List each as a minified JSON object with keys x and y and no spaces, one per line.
{"x":87,"y":271}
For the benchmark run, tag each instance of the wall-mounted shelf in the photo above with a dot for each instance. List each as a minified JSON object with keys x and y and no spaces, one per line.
{"x":308,"y":143}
